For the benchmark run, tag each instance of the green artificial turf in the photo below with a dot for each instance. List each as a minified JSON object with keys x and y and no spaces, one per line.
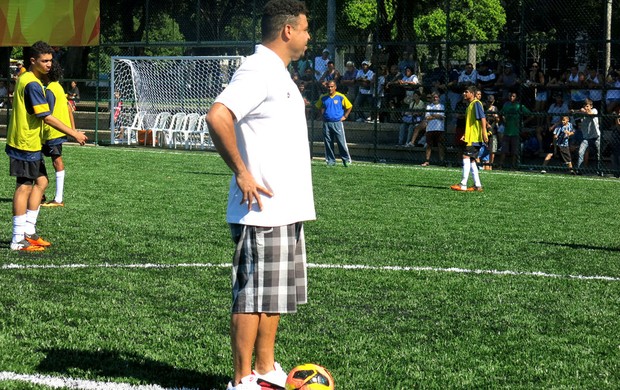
{"x":497,"y":289}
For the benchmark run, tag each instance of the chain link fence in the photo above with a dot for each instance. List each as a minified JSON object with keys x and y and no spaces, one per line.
{"x":553,"y":55}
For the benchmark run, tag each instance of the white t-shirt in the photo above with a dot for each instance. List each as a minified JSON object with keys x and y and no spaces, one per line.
{"x":435,"y":124}
{"x":365,"y":76}
{"x":272,"y":137}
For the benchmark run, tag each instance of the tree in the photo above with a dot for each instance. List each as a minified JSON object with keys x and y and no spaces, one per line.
{"x":460,"y":20}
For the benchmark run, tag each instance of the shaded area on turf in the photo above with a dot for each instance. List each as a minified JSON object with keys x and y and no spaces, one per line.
{"x":580,"y":246}
{"x":120,"y":365}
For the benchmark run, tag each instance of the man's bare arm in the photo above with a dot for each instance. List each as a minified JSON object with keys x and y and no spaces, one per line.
{"x":221,"y":123}
{"x":79,"y":136}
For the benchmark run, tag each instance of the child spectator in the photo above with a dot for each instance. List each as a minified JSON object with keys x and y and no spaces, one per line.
{"x":561,"y":135}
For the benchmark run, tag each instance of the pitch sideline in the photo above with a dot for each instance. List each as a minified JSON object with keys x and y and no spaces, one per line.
{"x":323,"y":266}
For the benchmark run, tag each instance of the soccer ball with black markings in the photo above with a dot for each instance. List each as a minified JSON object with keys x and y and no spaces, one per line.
{"x":309,"y":376}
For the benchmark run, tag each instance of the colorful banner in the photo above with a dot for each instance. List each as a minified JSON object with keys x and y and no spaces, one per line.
{"x":57,"y":22}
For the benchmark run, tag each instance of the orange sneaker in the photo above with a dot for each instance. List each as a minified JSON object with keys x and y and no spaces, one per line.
{"x":34,"y":239}
{"x":26,"y":246}
{"x":458,"y":187}
{"x":474,"y":188}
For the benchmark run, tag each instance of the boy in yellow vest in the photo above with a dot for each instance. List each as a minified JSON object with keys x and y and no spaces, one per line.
{"x":52,"y":138}
{"x":23,"y":146}
{"x":475,"y":136}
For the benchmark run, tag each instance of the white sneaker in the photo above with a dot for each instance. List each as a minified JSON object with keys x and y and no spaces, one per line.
{"x":274,"y":379}
{"x":247,"y":383}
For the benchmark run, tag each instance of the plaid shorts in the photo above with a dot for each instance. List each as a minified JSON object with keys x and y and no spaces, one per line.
{"x":269,"y":269}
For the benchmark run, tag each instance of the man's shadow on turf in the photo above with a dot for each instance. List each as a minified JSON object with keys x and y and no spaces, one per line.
{"x":427,"y":186}
{"x":115,"y":364}
{"x":580,"y":246}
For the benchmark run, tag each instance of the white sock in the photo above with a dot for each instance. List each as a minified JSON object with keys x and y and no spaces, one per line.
{"x":475,"y":173}
{"x":60,"y":185}
{"x":31,"y":221}
{"x":19,"y":227}
{"x":466,"y":167}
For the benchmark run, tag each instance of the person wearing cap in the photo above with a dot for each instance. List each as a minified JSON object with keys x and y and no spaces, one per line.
{"x":320,"y":64}
{"x":364,"y":80}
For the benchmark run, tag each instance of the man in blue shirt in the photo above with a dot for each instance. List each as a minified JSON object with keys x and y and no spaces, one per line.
{"x":335,"y":108}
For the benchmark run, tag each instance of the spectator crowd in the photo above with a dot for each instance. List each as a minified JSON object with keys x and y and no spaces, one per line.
{"x":525,"y":106}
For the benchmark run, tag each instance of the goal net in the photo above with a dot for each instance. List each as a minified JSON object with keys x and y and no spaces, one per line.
{"x":146,"y":89}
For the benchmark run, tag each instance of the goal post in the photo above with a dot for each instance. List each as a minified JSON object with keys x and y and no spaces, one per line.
{"x":143,"y":87}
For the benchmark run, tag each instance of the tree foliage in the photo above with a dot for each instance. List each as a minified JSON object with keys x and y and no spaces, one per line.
{"x":467,"y":19}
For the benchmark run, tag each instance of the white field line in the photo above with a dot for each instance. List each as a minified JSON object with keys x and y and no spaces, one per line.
{"x":58,"y":382}
{"x":325,"y":266}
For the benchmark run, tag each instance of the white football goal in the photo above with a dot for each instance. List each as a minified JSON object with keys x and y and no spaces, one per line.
{"x":152,"y":96}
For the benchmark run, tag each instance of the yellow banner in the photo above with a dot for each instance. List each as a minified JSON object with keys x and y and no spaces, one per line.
{"x":57,"y":22}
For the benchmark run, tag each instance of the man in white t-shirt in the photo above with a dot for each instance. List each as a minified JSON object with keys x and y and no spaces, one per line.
{"x":435,"y":127}
{"x":365,"y":79}
{"x":270,"y":193}
{"x":320,"y":64}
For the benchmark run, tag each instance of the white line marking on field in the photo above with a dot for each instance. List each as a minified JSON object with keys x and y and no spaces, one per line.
{"x":325,"y":266}
{"x":467,"y":271}
{"x":71,"y":383}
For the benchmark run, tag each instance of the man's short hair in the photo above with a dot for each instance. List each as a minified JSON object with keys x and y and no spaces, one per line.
{"x":472,"y":89}
{"x":279,"y":13}
{"x":38,"y":48}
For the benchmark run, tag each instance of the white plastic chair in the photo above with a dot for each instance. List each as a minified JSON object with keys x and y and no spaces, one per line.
{"x":205,"y":137}
{"x":203,"y":132}
{"x":174,"y":128}
{"x":160,"y":126}
{"x":131,"y":132}
{"x":189,"y":130}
